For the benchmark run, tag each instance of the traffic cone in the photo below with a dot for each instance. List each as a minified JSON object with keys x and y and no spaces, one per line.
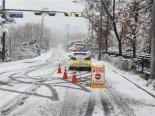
{"x":65,"y":75}
{"x":59,"y":69}
{"x":74,"y":80}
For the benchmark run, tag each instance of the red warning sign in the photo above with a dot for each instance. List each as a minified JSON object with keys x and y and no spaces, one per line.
{"x":97,"y":76}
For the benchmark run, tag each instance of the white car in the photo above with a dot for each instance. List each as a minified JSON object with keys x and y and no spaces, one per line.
{"x":80,"y":60}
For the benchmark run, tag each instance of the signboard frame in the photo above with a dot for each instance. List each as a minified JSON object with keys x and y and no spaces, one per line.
{"x":15,"y":14}
{"x":99,"y":72}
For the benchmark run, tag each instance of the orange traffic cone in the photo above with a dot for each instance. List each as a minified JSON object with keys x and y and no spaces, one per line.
{"x":59,"y":69}
{"x":65,"y":75}
{"x":74,"y":80}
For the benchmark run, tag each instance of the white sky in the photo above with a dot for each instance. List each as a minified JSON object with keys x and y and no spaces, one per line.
{"x":56,"y":23}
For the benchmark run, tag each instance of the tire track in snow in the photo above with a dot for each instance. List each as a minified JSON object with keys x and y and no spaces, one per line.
{"x":90,"y":107}
{"x":116,"y":99}
{"x":106,"y":102}
{"x":4,"y":72}
{"x":53,"y":91}
{"x":98,"y":101}
{"x":91,"y":104}
{"x":17,"y":101}
{"x":106,"y":107}
{"x":5,"y":83}
{"x":79,"y":85}
{"x":68,"y":107}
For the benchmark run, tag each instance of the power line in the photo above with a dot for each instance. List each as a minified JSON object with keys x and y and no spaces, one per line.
{"x":46,"y":11}
{"x":24,"y":5}
{"x":36,"y":4}
{"x":43,"y":4}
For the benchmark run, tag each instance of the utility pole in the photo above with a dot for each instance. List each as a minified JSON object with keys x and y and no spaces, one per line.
{"x":10,"y":46}
{"x":42,"y":27}
{"x":3,"y":35}
{"x":92,"y":24}
{"x":152,"y":74}
{"x":106,"y":39}
{"x":67,"y":31}
{"x":100,"y":39}
{"x":77,"y":32}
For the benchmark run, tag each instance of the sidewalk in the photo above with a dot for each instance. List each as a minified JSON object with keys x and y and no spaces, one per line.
{"x":130,"y":76}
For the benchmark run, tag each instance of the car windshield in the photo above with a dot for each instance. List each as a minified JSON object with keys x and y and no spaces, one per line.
{"x":80,"y":55}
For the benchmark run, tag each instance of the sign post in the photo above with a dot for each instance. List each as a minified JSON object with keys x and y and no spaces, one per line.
{"x":98,"y":76}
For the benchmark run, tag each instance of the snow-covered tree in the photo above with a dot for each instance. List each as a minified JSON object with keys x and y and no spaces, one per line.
{"x":4,"y":28}
{"x":130,"y":19}
{"x":93,"y":13}
{"x":24,"y":38}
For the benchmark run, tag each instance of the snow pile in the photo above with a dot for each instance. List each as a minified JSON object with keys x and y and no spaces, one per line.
{"x":11,"y":66}
{"x":119,"y":62}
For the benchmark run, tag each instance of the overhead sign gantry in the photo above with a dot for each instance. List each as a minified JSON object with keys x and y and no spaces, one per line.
{"x":17,"y":13}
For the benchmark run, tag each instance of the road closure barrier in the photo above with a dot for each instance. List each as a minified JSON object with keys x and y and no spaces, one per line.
{"x":65,"y":75}
{"x":98,"y":76}
{"x":59,"y":69}
{"x":74,"y":80}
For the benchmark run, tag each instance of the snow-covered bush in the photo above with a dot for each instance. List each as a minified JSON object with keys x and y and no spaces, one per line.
{"x":24,"y":41}
{"x":25,"y":51}
{"x":119,"y":62}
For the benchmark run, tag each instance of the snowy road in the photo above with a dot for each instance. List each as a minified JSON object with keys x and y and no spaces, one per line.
{"x":32,"y":88}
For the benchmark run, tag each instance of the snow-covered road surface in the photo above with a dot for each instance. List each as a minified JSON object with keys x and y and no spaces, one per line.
{"x":32,"y":88}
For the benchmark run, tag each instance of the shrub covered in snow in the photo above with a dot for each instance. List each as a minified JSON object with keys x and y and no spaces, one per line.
{"x":119,"y":62}
{"x":25,"y":50}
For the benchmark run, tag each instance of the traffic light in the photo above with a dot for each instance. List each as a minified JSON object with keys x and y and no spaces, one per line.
{"x":51,"y":13}
{"x":37,"y":13}
{"x":68,"y":14}
{"x":78,"y":14}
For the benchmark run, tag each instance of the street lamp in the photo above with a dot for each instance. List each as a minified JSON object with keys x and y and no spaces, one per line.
{"x":90,"y":8}
{"x":152,"y":74}
{"x":67,"y":31}
{"x":100,"y":39}
{"x":42,"y":25}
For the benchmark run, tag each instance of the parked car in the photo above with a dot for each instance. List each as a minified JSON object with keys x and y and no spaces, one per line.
{"x":80,"y":60}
